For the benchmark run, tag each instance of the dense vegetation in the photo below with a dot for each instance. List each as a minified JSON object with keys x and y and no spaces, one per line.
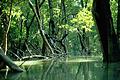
{"x":55,"y":28}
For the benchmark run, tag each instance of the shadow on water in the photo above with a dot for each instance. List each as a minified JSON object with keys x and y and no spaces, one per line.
{"x":111,"y":71}
{"x":56,"y":70}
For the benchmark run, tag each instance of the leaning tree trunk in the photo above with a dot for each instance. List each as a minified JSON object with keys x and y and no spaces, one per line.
{"x":6,"y":21}
{"x":9,"y":62}
{"x":36,"y":9}
{"x":109,"y":40}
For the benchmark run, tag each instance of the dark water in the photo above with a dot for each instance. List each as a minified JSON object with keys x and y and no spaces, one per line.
{"x":66,"y":71}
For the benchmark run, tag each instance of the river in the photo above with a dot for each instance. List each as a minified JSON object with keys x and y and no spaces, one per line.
{"x":65,"y":70}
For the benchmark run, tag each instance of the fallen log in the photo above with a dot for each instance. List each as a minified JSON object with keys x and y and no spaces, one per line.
{"x":9,"y":62}
{"x":34,"y":56}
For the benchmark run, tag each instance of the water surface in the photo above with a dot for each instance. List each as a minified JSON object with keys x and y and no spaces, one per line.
{"x":62,"y":70}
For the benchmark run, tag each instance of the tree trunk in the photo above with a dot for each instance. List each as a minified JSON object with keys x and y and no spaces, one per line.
{"x":118,"y":22}
{"x":6,"y":20}
{"x":64,"y":21}
{"x":51,"y":22}
{"x":35,"y":10}
{"x":6,"y":29}
{"x":9,"y":62}
{"x":102,"y":15}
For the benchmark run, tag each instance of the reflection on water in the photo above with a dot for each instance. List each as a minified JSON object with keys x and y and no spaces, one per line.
{"x":66,"y":71}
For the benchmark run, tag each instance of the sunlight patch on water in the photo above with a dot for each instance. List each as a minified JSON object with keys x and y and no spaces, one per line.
{"x":81,"y":60}
{"x":28,"y":62}
{"x":84,"y":59}
{"x":69,"y":59}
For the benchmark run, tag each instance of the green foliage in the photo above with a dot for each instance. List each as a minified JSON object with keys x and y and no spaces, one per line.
{"x":77,"y":17}
{"x":114,"y":7}
{"x":83,"y":20}
{"x":16,"y":12}
{"x":17,"y":23}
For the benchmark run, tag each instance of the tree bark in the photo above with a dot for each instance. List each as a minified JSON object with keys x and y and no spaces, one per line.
{"x":118,"y":21}
{"x":9,"y":62}
{"x":102,"y":15}
{"x":52,"y":28}
{"x":6,"y":30}
{"x":84,"y":38}
{"x":39,"y":25}
{"x":64,"y":21}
